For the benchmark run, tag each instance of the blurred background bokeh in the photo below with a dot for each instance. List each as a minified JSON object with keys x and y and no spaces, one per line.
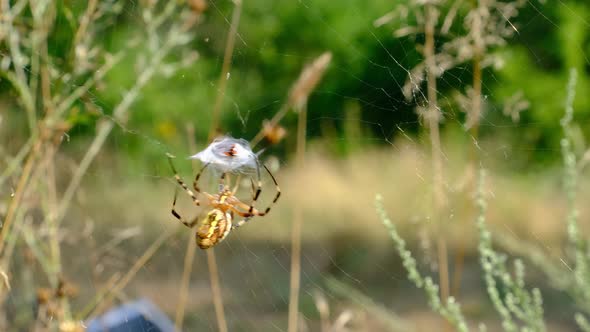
{"x":411,"y":99}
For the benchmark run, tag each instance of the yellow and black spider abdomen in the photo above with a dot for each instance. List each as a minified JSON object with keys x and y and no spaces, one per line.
{"x":213,"y":228}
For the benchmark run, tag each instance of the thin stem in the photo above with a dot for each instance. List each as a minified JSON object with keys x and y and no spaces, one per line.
{"x":141,"y":261}
{"x":48,"y":106}
{"x":296,"y":230}
{"x":211,"y":262}
{"x":433,"y":117}
{"x":18,"y":194}
{"x":100,"y":294}
{"x":105,"y":127}
{"x":52,"y":205}
{"x":17,"y":160}
{"x":227,"y":56}
{"x":189,"y":258}
{"x":53,"y":228}
{"x":189,"y":255}
{"x":84,"y":23}
{"x":20,"y":77}
{"x":477,"y":92}
{"x":216,"y":290}
{"x":99,"y":74}
{"x":473,"y":120}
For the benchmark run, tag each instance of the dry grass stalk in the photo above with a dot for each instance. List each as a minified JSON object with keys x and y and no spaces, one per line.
{"x":30,"y":69}
{"x":119,"y":115}
{"x":216,"y":291}
{"x":191,"y":247}
{"x":295,"y":283}
{"x":487,"y":25}
{"x":224,"y":76}
{"x":433,"y":66}
{"x":433,"y":118}
{"x":99,"y":296}
{"x":18,"y":195}
{"x":139,"y":263}
{"x":307,"y":81}
{"x":189,"y":255}
{"x":472,"y":123}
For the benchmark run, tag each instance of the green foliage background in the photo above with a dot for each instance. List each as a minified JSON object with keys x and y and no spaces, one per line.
{"x":277,"y":38}
{"x":358,"y":104}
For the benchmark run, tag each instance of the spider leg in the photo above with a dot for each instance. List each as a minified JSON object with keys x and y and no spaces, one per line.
{"x":242,"y":213}
{"x":196,"y":181}
{"x":251,"y":208}
{"x":224,"y":181}
{"x":259,"y":188}
{"x":183,"y":185}
{"x":277,"y":188}
{"x":255,"y":190}
{"x":251,"y":211}
{"x":240,"y":223}
{"x":253,"y":186}
{"x":178,"y":216}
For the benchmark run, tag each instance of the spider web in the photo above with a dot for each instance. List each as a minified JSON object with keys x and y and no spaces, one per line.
{"x":374,"y":141}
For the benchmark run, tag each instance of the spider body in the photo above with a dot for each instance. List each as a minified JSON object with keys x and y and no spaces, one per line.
{"x":213,"y":228}
{"x":216,"y":225}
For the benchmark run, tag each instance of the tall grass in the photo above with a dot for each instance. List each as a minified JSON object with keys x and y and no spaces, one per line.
{"x":191,"y":247}
{"x":433,"y":118}
{"x":486,"y":25}
{"x":298,"y":97}
{"x":519,"y":308}
{"x":213,"y":132}
{"x":49,"y":88}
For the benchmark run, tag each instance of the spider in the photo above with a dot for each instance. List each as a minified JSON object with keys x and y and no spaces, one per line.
{"x":216,"y":225}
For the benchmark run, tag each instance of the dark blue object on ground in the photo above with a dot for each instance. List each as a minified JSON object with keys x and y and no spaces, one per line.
{"x":139,"y":316}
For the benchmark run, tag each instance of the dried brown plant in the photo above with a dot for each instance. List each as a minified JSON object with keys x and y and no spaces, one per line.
{"x":486,"y":25}
{"x":49,"y":89}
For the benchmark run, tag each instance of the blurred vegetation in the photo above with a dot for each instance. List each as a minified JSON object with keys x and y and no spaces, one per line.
{"x":369,"y":67}
{"x":358,"y":110}
{"x":556,"y":39}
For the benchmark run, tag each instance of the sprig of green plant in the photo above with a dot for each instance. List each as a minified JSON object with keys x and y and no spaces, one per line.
{"x":449,"y":309}
{"x":575,"y":281}
{"x":519,"y":308}
{"x":578,"y":244}
{"x":507,"y":292}
{"x":582,"y":322}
